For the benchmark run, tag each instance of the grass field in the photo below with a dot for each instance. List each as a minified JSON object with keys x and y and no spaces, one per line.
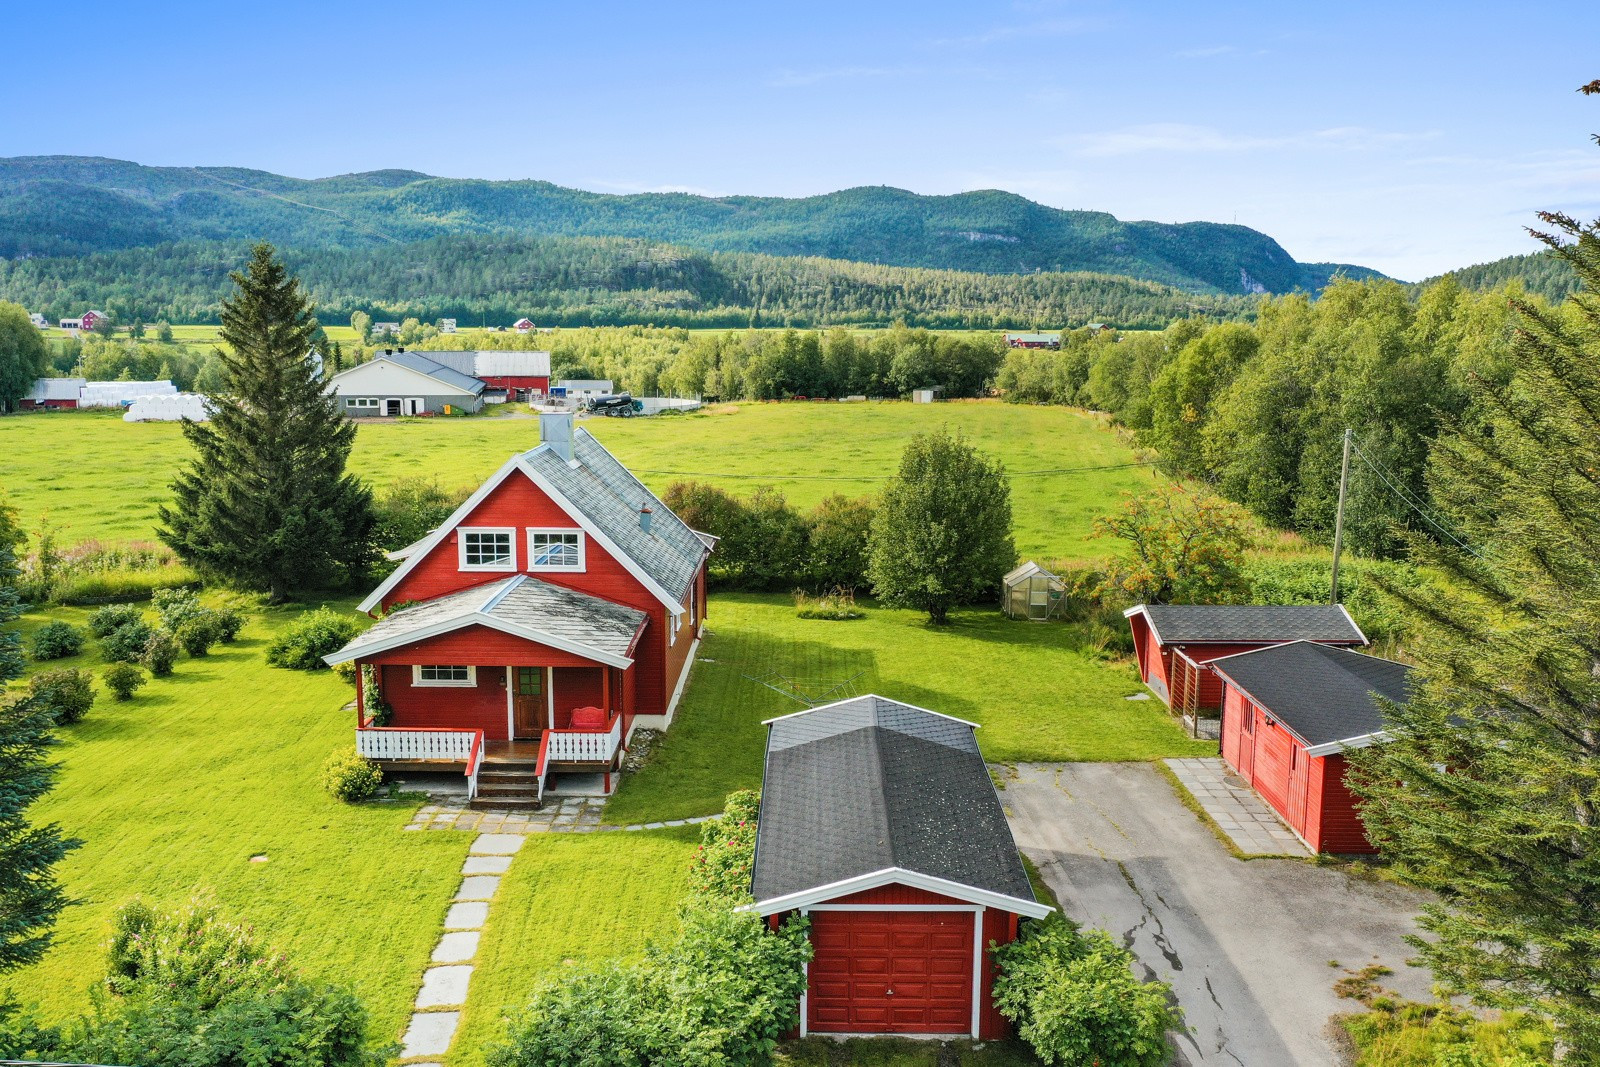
{"x":99,"y":477}
{"x":1035,"y":697}
{"x":174,"y":791}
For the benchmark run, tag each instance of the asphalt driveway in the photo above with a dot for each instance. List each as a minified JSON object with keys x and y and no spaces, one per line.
{"x":1246,"y":945}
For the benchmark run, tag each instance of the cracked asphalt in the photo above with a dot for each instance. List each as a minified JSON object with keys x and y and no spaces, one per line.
{"x":1246,"y":945}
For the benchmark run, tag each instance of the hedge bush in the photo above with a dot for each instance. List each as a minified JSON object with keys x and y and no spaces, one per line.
{"x":349,"y":776}
{"x":66,"y":691}
{"x":123,"y":679}
{"x":1074,"y":999}
{"x":302,"y":644}
{"x":228,"y":621}
{"x":113,"y":617}
{"x":57,"y":640}
{"x":160,"y":653}
{"x":197,"y":633}
{"x":176,"y":606}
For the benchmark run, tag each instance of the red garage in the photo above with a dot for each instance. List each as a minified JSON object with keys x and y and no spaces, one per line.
{"x":1289,"y":713}
{"x":880,"y":822}
{"x":1172,"y":641}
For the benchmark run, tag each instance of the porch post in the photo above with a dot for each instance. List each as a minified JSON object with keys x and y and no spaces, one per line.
{"x":511,"y":704}
{"x":605,"y":689}
{"x":361,"y":695}
{"x":550,"y":695}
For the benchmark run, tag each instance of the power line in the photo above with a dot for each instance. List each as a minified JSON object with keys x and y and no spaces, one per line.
{"x":1410,"y":500}
{"x":885,"y":477}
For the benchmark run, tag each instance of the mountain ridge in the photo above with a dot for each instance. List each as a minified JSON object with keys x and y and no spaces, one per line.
{"x":73,"y":205}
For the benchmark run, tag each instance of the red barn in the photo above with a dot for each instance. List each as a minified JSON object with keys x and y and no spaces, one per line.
{"x":60,"y":393}
{"x":90,"y":318}
{"x":555,"y":611}
{"x":520,"y":374}
{"x":1289,"y":713}
{"x":1173,"y":641}
{"x":880,"y":822}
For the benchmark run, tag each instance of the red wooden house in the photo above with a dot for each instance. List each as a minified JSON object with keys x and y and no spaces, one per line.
{"x":554,"y":612}
{"x":1289,"y":713}
{"x":1173,"y":642}
{"x":880,"y":822}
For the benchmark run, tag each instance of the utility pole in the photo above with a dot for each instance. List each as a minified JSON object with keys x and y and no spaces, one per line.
{"x":1338,"y":522}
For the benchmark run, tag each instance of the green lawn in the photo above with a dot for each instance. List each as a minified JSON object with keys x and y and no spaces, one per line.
{"x":1036,"y":697}
{"x":567,"y":898}
{"x":175,"y":791}
{"x":808,"y":449}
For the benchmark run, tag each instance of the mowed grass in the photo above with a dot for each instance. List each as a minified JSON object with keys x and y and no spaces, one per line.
{"x":99,"y":477}
{"x":173,"y":792}
{"x":569,"y":899}
{"x":1035,"y":697}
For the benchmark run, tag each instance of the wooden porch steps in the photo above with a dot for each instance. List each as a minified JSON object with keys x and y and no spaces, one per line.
{"x":508,"y":783}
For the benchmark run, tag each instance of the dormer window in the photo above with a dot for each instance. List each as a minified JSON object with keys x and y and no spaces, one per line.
{"x":486,"y":548}
{"x":555,"y":550}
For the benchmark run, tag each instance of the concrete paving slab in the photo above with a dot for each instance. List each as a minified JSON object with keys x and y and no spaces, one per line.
{"x":457,"y":947}
{"x":467,"y":916}
{"x":478,"y":887}
{"x":486,"y":865}
{"x":496,"y":844}
{"x":429,"y":1034}
{"x":445,"y":987}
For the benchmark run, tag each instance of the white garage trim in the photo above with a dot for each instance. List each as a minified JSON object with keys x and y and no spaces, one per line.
{"x":977,"y":969}
{"x":895,"y":907}
{"x":899,"y":875}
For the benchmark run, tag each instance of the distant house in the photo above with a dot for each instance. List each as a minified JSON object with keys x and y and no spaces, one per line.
{"x":382,"y":329}
{"x":72,"y":324}
{"x":924,"y":396}
{"x":447,"y":325}
{"x":1098,"y":327}
{"x":1289,"y":714}
{"x":523,"y":375}
{"x":39,"y":320}
{"x":522,"y":325}
{"x":53,"y":393}
{"x":397,"y":382}
{"x":90,"y":318}
{"x":584,"y":388}
{"x":1033,"y":340}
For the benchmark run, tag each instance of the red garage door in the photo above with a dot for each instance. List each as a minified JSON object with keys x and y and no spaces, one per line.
{"x":891,"y":972}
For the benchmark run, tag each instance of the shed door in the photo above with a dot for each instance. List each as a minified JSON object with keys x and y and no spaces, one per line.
{"x":891,"y":972}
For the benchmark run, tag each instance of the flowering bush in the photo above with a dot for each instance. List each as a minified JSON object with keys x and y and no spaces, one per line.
{"x":720,"y":870}
{"x":160,"y":653}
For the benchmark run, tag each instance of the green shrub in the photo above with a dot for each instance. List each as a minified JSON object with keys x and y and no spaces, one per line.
{"x":349,"y":776}
{"x":229,"y":621}
{"x":1074,"y":999}
{"x":57,"y":640}
{"x":177,"y":606}
{"x":191,"y":950}
{"x":302,"y":644}
{"x":122,"y":679}
{"x":197,"y":633}
{"x":114,"y":617}
{"x":720,"y":869}
{"x":67,"y":692}
{"x":837,"y":606}
{"x":160,"y":653}
{"x":92,"y":572}
{"x":346,"y":672}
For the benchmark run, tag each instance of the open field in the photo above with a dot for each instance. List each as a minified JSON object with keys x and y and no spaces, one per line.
{"x":809,"y":450}
{"x":1036,"y":698}
{"x":174,"y":791}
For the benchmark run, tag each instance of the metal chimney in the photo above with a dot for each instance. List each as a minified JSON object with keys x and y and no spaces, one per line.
{"x":645,"y":515}
{"x":555,"y":430}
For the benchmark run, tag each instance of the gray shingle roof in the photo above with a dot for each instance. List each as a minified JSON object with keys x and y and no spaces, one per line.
{"x":611,"y":498}
{"x":1199,"y":623}
{"x":483,"y":362}
{"x":870,"y":783}
{"x":434,"y":369}
{"x":1322,"y":694}
{"x":521,"y":601}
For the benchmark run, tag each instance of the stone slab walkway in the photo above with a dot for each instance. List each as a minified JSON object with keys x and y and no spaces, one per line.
{"x":444,"y":984}
{"x":1252,"y":826}
{"x":570,"y":815}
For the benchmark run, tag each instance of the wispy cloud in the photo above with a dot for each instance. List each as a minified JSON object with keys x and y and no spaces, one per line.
{"x":785,"y":79}
{"x":1060,"y":27}
{"x":1177,"y":138}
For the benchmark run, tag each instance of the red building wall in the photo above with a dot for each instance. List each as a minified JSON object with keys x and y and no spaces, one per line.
{"x":480,"y":707}
{"x":517,"y":381}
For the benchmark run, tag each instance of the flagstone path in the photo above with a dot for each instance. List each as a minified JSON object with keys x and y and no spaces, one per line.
{"x":573,"y":815}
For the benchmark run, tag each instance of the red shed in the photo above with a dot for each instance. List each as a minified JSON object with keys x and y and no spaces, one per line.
{"x":880,"y":822}
{"x":1289,"y":713}
{"x":1173,"y":640}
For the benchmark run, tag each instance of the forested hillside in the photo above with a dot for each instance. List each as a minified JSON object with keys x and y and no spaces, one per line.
{"x":68,"y":205}
{"x":1539,"y":272}
{"x":597,"y":281}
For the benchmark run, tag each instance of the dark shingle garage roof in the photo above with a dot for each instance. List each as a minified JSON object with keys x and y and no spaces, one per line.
{"x":868,"y":784}
{"x":1323,"y":695}
{"x":1176,"y":624}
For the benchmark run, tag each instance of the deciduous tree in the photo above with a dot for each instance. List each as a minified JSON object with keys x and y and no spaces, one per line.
{"x":1184,"y":548}
{"x":23,"y":355}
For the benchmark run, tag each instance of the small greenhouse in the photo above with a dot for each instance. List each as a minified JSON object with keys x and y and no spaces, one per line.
{"x":1031,"y":592}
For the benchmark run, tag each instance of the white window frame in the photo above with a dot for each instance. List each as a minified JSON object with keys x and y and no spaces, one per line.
{"x":362,"y":402}
{"x":511,"y":542}
{"x":583,"y":550}
{"x":418,"y":681}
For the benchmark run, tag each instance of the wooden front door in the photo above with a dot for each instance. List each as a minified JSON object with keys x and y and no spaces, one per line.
{"x":528,"y":702}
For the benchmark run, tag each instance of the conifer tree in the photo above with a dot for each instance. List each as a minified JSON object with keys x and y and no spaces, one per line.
{"x":1489,"y":790}
{"x":30,"y":895}
{"x":267,"y":503}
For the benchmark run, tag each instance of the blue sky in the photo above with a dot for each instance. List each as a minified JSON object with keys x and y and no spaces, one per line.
{"x":1411,"y":137}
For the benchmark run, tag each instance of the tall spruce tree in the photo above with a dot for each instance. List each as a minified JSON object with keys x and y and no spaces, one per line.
{"x":1489,"y":790}
{"x":267,"y":503}
{"x":30,"y":895}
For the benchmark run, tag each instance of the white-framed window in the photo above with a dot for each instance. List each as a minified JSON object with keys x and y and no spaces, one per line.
{"x":363,"y":402}
{"x":443,"y":674}
{"x":488,"y":548}
{"x":555,"y":550}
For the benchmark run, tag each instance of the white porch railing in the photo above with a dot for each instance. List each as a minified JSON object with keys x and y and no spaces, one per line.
{"x":432,"y":745}
{"x":585,"y":746}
